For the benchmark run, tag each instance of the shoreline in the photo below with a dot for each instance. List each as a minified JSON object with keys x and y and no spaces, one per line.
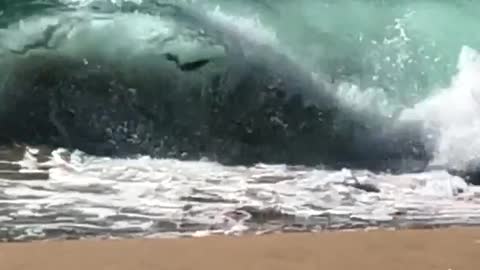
{"x":442,"y":249}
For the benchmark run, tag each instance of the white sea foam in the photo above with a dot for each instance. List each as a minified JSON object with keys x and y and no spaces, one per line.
{"x":454,"y":112}
{"x":122,"y":195}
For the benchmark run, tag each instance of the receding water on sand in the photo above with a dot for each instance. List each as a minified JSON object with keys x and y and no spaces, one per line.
{"x":87,"y":196}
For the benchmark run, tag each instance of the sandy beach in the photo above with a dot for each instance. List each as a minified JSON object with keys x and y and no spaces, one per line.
{"x":456,"y":249}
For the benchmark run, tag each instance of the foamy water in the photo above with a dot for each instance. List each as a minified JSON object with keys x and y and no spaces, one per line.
{"x":88,"y":196}
{"x":455,"y":111}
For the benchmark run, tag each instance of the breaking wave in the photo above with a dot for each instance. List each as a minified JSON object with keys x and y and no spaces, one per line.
{"x":159,"y":114}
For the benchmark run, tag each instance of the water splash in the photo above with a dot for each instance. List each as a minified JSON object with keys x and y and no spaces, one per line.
{"x":454,"y":112}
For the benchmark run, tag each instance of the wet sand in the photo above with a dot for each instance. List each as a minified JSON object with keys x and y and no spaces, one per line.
{"x":456,"y":249}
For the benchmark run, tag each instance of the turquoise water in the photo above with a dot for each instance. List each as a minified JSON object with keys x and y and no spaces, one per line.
{"x":405,"y":48}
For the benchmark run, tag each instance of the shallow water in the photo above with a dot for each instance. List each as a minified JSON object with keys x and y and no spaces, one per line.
{"x":87,"y":196}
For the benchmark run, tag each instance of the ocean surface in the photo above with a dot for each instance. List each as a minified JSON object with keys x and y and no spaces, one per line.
{"x":403,"y":61}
